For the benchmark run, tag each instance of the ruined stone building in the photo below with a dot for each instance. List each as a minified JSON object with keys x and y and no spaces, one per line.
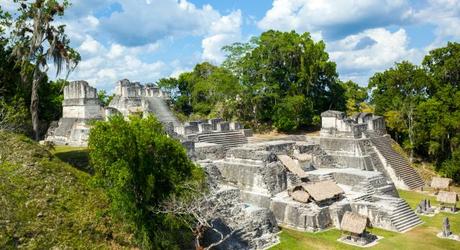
{"x":303,"y":183}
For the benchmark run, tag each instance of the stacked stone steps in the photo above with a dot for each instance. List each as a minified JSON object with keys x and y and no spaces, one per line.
{"x":367,"y":149}
{"x":161,"y":110}
{"x":228,"y":139}
{"x":400,"y":165}
{"x":368,"y":189}
{"x":404,"y":218}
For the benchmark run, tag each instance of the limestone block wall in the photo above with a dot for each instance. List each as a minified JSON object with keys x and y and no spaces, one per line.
{"x":380,"y":218}
{"x":83,"y":112}
{"x":299,"y":216}
{"x":79,"y":90}
{"x":343,"y":146}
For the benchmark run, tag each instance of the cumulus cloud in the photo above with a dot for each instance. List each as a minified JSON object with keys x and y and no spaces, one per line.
{"x":334,"y":19}
{"x":359,"y":55}
{"x":119,"y":38}
{"x":224,"y":31}
{"x":141,"y":22}
{"x":445,"y":16}
{"x":103,"y":65}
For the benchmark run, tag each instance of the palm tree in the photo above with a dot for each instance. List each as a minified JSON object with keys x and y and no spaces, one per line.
{"x":36,"y":41}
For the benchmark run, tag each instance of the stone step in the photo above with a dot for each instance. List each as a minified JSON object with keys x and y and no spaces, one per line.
{"x":403,"y":217}
{"x":408,"y":225}
{"x":400,"y":165}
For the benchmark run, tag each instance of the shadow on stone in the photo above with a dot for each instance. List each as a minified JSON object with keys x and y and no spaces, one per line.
{"x":234,"y":242}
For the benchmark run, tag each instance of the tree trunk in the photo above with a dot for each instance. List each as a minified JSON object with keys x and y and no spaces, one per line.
{"x":34,"y":104}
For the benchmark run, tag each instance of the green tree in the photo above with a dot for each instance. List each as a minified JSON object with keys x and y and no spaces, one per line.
{"x":104,"y":98}
{"x":279,"y":65}
{"x":355,"y":96}
{"x":36,"y":41}
{"x":200,"y":91}
{"x":396,"y":94}
{"x":421,"y":106}
{"x":139,"y":165}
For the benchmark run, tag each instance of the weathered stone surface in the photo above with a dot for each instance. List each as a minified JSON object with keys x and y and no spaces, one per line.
{"x":209,"y":151}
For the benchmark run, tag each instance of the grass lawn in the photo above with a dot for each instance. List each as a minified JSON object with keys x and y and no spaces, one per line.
{"x":421,"y":237}
{"x":47,"y":204}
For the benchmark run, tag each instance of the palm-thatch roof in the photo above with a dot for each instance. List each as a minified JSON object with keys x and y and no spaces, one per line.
{"x":440,"y":183}
{"x":323,"y":190}
{"x":300,"y":195}
{"x":292,"y":166}
{"x":447,"y":197}
{"x":353,"y":222}
{"x":303,"y":157}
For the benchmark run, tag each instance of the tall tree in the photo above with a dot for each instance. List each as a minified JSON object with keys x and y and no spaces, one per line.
{"x":38,"y":41}
{"x":396,"y":94}
{"x":200,"y":91}
{"x":355,"y":96}
{"x":282,"y":69}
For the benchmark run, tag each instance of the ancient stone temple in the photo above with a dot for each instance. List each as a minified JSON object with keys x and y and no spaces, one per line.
{"x":79,"y":107}
{"x":303,"y":183}
{"x":132,"y":97}
{"x":361,"y":142}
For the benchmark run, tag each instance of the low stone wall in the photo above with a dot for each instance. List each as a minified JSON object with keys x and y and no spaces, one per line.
{"x":299,"y":216}
{"x":210,"y":151}
{"x":378,"y":216}
{"x":340,"y":145}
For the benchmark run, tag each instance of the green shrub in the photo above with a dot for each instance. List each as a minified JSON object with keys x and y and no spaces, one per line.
{"x":451,"y":167}
{"x":139,"y":166}
{"x":14,"y":116}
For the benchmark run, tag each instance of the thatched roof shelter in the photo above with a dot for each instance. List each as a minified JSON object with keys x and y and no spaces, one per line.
{"x":300,"y":195}
{"x":447,"y":197}
{"x":353,"y":222}
{"x":440,"y":183}
{"x":303,"y":157}
{"x":323,"y":190}
{"x":292,"y":166}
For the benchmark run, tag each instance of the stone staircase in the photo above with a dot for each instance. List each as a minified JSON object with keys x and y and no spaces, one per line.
{"x":321,"y":177}
{"x":403,"y":217}
{"x":228,"y":139}
{"x":161,"y":110}
{"x":400,"y":165}
{"x":367,"y":189}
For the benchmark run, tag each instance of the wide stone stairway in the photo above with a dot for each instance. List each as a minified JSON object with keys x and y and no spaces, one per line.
{"x":161,"y":110}
{"x":228,"y":139}
{"x":403,"y":217}
{"x":400,"y":164}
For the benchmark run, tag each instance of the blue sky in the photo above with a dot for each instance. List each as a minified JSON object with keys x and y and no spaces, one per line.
{"x":144,"y":40}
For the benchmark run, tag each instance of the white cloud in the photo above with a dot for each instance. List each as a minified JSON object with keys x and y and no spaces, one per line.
{"x":334,"y":18}
{"x":358,"y":56}
{"x":90,"y":46}
{"x":141,"y":23}
{"x":445,"y":16}
{"x":223,"y":31}
{"x":103,"y":65}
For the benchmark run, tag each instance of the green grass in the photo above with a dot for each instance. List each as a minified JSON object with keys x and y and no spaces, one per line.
{"x":75,"y":156}
{"x":46,"y":203}
{"x":421,"y":237}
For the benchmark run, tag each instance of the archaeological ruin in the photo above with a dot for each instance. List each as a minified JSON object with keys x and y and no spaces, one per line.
{"x":306,"y":183}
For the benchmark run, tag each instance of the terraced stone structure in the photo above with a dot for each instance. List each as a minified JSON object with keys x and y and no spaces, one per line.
{"x":303,"y":183}
{"x":309,"y":183}
{"x":361,"y":142}
{"x":80,"y":106}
